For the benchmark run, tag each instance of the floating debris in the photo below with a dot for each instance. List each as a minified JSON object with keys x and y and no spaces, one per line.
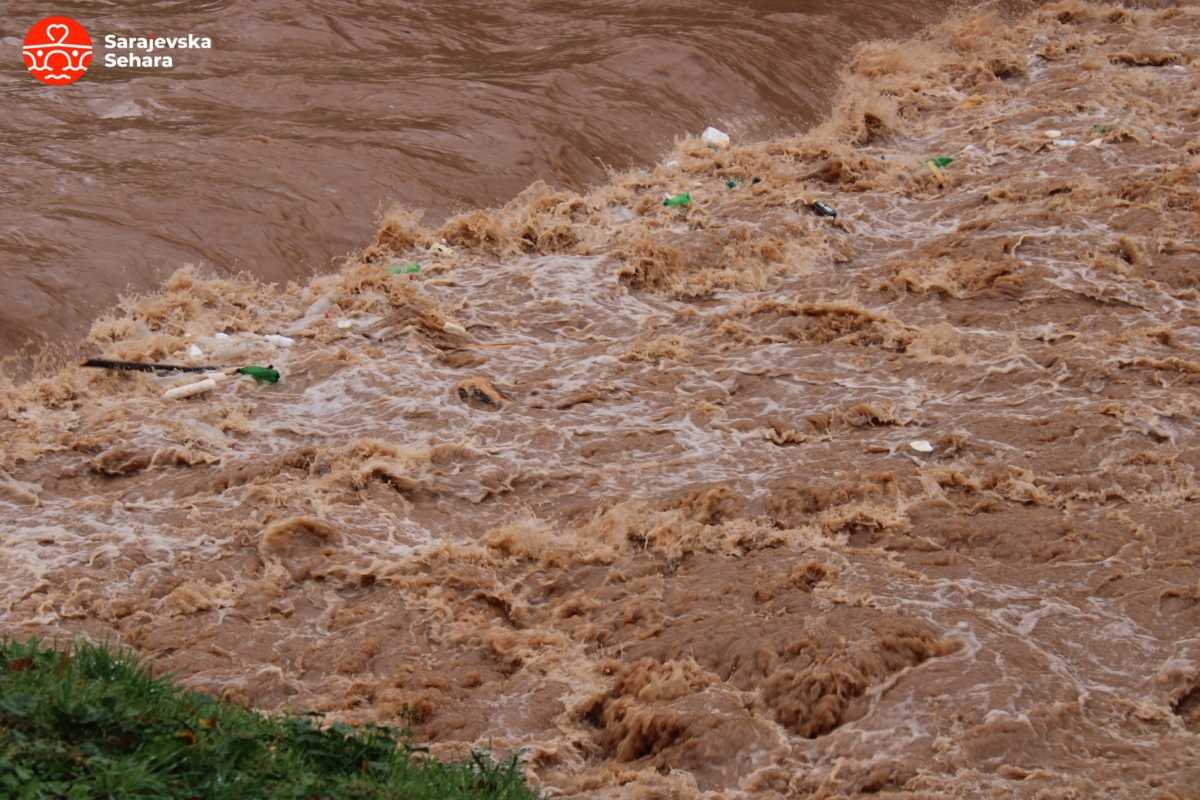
{"x":190,"y":389}
{"x":715,"y":138}
{"x":266,"y":374}
{"x":135,"y":366}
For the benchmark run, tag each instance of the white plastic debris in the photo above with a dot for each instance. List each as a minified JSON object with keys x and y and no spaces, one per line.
{"x":189,"y":389}
{"x":1052,"y":134}
{"x":921,"y":446}
{"x":714,"y":137}
{"x":345,"y":324}
{"x":672,"y":164}
{"x":441,"y":249}
{"x":282,"y":341}
{"x":313,"y":314}
{"x":453,"y":327}
{"x":1065,"y":142}
{"x":195,"y":352}
{"x":222,"y":336}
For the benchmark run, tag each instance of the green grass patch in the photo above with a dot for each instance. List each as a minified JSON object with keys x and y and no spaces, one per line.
{"x":94,"y":723}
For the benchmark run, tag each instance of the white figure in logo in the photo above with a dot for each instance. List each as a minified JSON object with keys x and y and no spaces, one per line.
{"x":57,"y":58}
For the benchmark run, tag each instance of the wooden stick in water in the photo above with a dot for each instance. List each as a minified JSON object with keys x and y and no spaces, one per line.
{"x":106,"y":363}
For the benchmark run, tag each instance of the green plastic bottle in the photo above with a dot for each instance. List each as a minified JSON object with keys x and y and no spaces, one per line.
{"x":679,"y":200}
{"x":407,"y":268}
{"x":941,"y":161}
{"x":260,"y":374}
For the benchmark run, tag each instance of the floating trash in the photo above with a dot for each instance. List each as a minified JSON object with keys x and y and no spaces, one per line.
{"x":190,"y":389}
{"x":260,"y":374}
{"x":715,"y":138}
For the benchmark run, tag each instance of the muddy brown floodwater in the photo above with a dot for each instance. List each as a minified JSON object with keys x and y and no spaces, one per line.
{"x":727,"y":501}
{"x":274,"y":151}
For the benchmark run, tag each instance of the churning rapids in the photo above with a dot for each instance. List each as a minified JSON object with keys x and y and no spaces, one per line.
{"x":644,"y":490}
{"x":281,"y":129}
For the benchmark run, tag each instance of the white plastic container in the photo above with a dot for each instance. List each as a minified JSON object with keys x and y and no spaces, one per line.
{"x":715,"y":137}
{"x":190,"y":389}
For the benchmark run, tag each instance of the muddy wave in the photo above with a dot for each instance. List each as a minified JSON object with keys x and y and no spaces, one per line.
{"x":273,"y":151}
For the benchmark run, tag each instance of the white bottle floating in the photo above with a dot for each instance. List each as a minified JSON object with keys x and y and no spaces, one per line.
{"x":281,"y":341}
{"x":714,"y":137}
{"x":921,"y":446}
{"x":190,"y":389}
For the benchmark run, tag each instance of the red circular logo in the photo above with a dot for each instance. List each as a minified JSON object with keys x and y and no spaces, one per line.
{"x":58,"y":50}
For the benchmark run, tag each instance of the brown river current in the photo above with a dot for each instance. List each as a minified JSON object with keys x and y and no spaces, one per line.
{"x":728,"y":500}
{"x":274,"y":151}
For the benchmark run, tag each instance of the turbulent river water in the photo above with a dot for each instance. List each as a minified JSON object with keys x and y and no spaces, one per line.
{"x":274,"y":151}
{"x":718,"y":498}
